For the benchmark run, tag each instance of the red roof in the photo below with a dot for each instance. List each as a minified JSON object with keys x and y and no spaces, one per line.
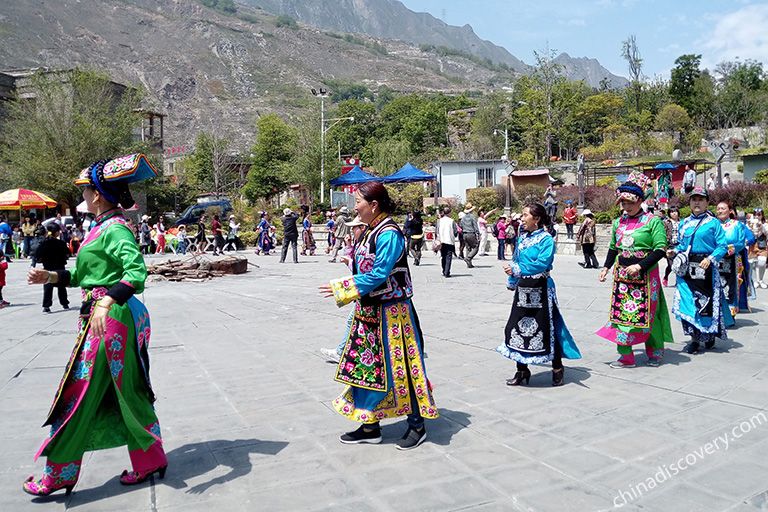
{"x":531,"y":172}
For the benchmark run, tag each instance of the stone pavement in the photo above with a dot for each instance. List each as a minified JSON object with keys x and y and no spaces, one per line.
{"x":244,"y":401}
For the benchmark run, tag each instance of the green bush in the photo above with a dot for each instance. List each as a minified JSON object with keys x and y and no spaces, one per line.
{"x":286,"y":21}
{"x":526,"y":193}
{"x":248,"y":238}
{"x":407,"y":198}
{"x":761,"y":177}
{"x":487,"y":198}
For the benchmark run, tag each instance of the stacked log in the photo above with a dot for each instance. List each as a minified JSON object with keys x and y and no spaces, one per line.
{"x":196,"y":268}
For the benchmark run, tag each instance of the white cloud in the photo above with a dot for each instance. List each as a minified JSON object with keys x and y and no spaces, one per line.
{"x":741,"y":34}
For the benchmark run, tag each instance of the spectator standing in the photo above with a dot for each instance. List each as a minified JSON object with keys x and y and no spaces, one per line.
{"x":200,"y":239}
{"x":218,"y":235}
{"x":6,"y":233}
{"x":330,"y":225}
{"x":586,"y":237}
{"x":160,"y":231}
{"x":145,"y":234}
{"x":446,"y":233}
{"x":689,"y":179}
{"x":37,"y":239}
{"x":726,"y":180}
{"x":500,"y":232}
{"x":53,"y":254}
{"x":711,"y":182}
{"x":291,"y":235}
{"x":570,"y":216}
{"x":470,"y":231}
{"x":181,"y":239}
{"x":482,"y":223}
{"x":342,"y":231}
{"x":550,"y":202}
{"x":416,"y":237}
{"x":3,"y":268}
{"x":27,"y":232}
{"x":513,"y":226}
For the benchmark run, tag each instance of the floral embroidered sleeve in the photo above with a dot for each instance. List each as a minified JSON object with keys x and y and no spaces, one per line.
{"x":344,"y":290}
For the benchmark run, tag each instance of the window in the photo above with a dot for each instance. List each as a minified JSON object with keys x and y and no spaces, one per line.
{"x":485,"y":177}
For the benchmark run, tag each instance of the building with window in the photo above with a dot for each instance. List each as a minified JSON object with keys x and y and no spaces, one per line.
{"x":455,"y":177}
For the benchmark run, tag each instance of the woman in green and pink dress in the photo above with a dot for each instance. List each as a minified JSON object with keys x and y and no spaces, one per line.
{"x":638,"y":311}
{"x":104,"y":399}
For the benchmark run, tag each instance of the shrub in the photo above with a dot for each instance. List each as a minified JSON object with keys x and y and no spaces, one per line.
{"x":407,"y":198}
{"x":607,"y":181}
{"x":487,"y":198}
{"x":248,"y":238}
{"x":286,"y":21}
{"x":741,"y":194}
{"x":761,"y":177}
{"x":527,"y":193}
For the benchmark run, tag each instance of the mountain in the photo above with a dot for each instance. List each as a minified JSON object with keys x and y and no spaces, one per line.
{"x":589,"y":70}
{"x":392,"y":20}
{"x":214,"y":71}
{"x":389,"y":19}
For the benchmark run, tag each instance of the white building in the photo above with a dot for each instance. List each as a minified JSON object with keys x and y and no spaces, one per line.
{"x":455,"y":177}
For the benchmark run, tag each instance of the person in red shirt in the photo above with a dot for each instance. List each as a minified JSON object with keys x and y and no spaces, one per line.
{"x":570,"y":216}
{"x":218,"y":237}
{"x":501,"y":235}
{"x":3,"y":268}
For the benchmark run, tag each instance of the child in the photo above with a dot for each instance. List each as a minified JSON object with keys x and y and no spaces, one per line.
{"x":181,"y":237}
{"x":3,"y":268}
{"x":350,"y":241}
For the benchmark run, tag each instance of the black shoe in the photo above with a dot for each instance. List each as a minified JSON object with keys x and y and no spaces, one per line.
{"x":412,"y":438}
{"x":691,"y":348}
{"x":520,"y":377}
{"x":416,"y":262}
{"x":558,"y":377}
{"x":46,"y":310}
{"x":709,"y":345}
{"x":361,"y":435}
{"x":65,"y":306}
{"x":582,"y":264}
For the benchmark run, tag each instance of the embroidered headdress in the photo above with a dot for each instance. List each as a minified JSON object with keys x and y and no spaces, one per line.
{"x":111,"y":177}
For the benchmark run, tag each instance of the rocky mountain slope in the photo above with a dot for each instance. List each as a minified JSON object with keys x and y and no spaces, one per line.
{"x":392,"y":20}
{"x":210,"y":71}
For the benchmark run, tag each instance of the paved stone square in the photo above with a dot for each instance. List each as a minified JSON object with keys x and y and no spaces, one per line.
{"x":244,"y":401}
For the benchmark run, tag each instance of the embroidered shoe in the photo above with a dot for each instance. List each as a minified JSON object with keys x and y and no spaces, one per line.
{"x":137,"y":477}
{"x":330,"y":354}
{"x":362,"y":436}
{"x":621,"y":364}
{"x":412,"y":438}
{"x":664,"y":283}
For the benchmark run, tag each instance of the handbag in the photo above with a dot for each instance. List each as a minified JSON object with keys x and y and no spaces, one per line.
{"x":436,"y":245}
{"x":681,"y":260}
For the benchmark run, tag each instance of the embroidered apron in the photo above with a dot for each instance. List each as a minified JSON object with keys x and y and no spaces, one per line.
{"x":528,"y":328}
{"x":701,"y":285}
{"x":362,"y":363}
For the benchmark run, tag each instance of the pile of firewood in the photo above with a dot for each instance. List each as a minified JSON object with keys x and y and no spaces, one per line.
{"x":197,"y":268}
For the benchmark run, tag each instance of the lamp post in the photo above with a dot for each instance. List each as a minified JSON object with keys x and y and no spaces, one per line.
{"x":505,"y":156}
{"x":322,"y":94}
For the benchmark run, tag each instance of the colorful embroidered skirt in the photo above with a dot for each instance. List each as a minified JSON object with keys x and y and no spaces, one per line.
{"x":104,"y":399}
{"x":638,"y":310}
{"x":383,"y":365}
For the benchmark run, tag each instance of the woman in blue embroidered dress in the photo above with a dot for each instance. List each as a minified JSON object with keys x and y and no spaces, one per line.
{"x":734,"y":268}
{"x":699,"y":299}
{"x":382,"y":362}
{"x":264,"y":239}
{"x":536,"y":332}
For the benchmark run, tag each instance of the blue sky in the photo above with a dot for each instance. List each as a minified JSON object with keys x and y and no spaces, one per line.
{"x":595,"y":28}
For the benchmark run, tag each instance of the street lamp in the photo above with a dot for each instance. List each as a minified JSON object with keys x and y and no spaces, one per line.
{"x":505,"y":156}
{"x":322,"y":94}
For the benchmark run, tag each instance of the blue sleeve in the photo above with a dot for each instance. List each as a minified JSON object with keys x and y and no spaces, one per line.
{"x":721,"y":242}
{"x":682,"y":237}
{"x":741,"y":238}
{"x":389,"y":247}
{"x":543,"y":256}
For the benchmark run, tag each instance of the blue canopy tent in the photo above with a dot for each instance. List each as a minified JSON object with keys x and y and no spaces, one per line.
{"x":409,"y":174}
{"x":353,"y":177}
{"x":665,"y":165}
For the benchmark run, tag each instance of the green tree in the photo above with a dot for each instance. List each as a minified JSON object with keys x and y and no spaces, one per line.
{"x":271,"y":170}
{"x":76,"y":118}
{"x":353,"y":135}
{"x":683,"y":79}
{"x":673,"y":118}
{"x":386,"y":156}
{"x":213,"y":166}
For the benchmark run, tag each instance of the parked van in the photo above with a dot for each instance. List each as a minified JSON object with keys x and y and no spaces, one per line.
{"x":193,"y":212}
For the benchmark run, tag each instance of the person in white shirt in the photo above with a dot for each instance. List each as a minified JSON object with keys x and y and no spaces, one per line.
{"x":726,"y":180}
{"x":689,"y":179}
{"x":711,"y":181}
{"x":446,"y":233}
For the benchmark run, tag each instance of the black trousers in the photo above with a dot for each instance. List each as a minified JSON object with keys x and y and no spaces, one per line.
{"x":590,"y":260}
{"x":48,"y":295}
{"x":446,"y":257}
{"x":415,"y":246}
{"x":284,"y":251}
